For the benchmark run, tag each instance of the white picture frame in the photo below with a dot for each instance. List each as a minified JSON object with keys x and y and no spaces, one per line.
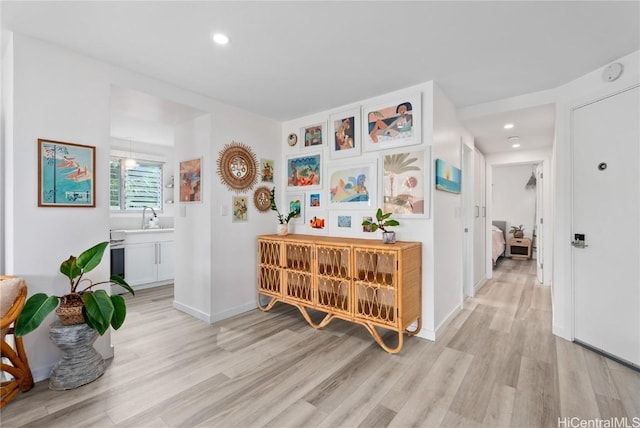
{"x":344,"y":137}
{"x":352,"y":185}
{"x":313,"y":136}
{"x":304,"y":171}
{"x":405,"y":182}
{"x":393,"y":122}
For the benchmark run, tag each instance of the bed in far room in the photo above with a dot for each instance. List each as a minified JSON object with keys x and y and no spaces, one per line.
{"x":498,"y":240}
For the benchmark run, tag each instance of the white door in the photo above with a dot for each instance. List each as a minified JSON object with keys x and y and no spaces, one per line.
{"x":468,"y":210}
{"x":539,"y":225}
{"x":606,"y":194}
{"x":165,"y":260}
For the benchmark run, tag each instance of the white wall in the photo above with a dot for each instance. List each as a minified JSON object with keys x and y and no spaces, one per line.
{"x":68,"y":100}
{"x":587,"y":88}
{"x":448,"y":137}
{"x":410,"y":229}
{"x":512,"y":202}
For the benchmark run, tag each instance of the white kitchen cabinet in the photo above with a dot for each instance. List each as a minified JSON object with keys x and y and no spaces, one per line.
{"x":148,"y":257}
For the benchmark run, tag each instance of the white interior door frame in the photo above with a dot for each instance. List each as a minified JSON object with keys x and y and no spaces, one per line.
{"x":467,"y":220}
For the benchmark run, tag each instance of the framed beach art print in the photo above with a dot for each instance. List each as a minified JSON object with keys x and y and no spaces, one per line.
{"x":352,"y":186}
{"x":66,"y":174}
{"x":344,"y":134}
{"x":304,"y":171}
{"x":393,"y":123}
{"x":406,"y":182}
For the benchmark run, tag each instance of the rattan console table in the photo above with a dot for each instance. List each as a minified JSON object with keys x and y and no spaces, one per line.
{"x":359,"y":280}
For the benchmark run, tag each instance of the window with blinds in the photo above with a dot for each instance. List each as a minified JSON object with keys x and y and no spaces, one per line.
{"x":132,"y":189}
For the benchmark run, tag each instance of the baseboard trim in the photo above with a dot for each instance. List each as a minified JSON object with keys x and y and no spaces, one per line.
{"x":246,"y":307}
{"x":445,"y":323}
{"x":479,"y":285}
{"x":192,"y":311}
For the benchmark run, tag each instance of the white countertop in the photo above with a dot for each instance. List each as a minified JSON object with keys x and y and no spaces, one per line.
{"x":135,"y":231}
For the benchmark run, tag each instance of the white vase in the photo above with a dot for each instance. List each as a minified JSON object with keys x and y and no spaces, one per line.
{"x":283,"y":229}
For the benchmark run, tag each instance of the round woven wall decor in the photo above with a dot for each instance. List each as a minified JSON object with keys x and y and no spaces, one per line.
{"x":262,"y":198}
{"x":237,"y":167}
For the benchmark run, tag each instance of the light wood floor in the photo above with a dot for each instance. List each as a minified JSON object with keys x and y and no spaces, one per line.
{"x":497,"y":365}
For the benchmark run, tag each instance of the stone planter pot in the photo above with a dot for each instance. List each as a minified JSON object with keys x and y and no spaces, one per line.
{"x":388,"y":237}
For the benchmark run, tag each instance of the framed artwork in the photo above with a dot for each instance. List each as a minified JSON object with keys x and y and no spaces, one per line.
{"x":394,"y":123}
{"x":344,"y":221}
{"x":344,"y":134}
{"x":313,"y":135}
{"x":448,"y":177}
{"x":304,"y":171}
{"x":191,"y":180}
{"x":295,"y":201}
{"x":314,"y":200}
{"x":352,"y":185}
{"x":66,"y":174}
{"x":267,"y":170}
{"x":240,"y":209}
{"x":367,"y":228}
{"x":406,"y":182}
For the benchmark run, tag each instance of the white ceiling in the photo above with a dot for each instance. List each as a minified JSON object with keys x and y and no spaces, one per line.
{"x":291,"y":58}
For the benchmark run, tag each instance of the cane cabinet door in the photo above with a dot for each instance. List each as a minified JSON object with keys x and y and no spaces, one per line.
{"x":333,"y":278}
{"x":269,"y":267}
{"x":375,"y":286}
{"x":299,"y":271}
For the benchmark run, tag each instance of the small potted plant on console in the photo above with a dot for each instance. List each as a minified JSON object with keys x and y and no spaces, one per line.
{"x":383,"y":222}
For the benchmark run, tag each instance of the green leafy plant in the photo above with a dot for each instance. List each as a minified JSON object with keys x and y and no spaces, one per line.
{"x":517,"y":231}
{"x":383,"y":221}
{"x":100,"y":310}
{"x":274,"y":207}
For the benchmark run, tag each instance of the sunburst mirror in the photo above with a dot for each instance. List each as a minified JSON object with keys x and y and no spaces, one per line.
{"x":237,"y":167}
{"x":262,"y":198}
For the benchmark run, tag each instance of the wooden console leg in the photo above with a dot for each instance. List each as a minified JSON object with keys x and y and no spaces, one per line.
{"x":418,"y":327}
{"x":306,"y":316}
{"x":272,"y":302}
{"x":376,"y":336}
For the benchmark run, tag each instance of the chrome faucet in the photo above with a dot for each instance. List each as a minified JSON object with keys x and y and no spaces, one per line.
{"x":143,"y":215}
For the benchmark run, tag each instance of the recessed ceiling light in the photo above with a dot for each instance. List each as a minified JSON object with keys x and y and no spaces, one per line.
{"x":515,"y":145}
{"x":220,"y":39}
{"x":508,"y":126}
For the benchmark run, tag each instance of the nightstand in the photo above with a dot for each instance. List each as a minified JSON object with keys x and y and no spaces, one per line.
{"x":520,"y":248}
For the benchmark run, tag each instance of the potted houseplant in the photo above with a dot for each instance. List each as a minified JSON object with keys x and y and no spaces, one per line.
{"x":517,"y":231}
{"x":82,"y":304}
{"x":283,"y":226}
{"x":383,"y":222}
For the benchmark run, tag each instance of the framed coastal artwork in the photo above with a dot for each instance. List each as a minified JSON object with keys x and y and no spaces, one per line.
{"x":314,"y":136}
{"x":295,"y":202}
{"x":344,"y":134}
{"x":406,"y":179}
{"x":304,"y":171}
{"x":352,"y":185}
{"x":448,"y":177}
{"x":191,"y":180}
{"x":66,"y":174}
{"x":392,"y":123}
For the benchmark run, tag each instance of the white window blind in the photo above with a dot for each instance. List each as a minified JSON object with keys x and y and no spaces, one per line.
{"x":132,"y":189}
